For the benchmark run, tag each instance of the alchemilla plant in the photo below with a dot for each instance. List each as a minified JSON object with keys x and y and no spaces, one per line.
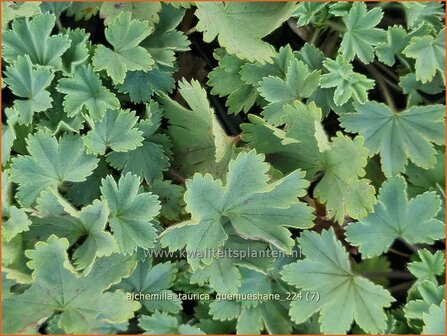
{"x":222,"y":168}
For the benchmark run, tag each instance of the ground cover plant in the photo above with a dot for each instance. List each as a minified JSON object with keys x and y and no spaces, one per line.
{"x":222,"y":168}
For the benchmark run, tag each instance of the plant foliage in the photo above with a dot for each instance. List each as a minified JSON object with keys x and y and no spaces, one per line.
{"x":223,"y":168}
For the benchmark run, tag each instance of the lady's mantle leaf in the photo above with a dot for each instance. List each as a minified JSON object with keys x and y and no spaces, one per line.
{"x":149,"y":160}
{"x":429,"y":53}
{"x":50,"y":163}
{"x":116,"y":130}
{"x":343,"y":295}
{"x":299,"y":83}
{"x":397,"y":39}
{"x":29,"y":83}
{"x":93,"y":240}
{"x":78,"y":298}
{"x":399,"y":135}
{"x":147,"y":11}
{"x":361,"y":34}
{"x":255,"y":316}
{"x":304,"y":145}
{"x":162,"y":323}
{"x":426,"y":295}
{"x":131,"y":213}
{"x":240,"y":27}
{"x":124,"y":34}
{"x":256,"y":209}
{"x":12,"y":10}
{"x":43,"y":50}
{"x":208,"y":148}
{"x":348,"y":84}
{"x":85,"y":91}
{"x":166,"y":40}
{"x":434,"y":320}
{"x":429,"y":266}
{"x":153,"y":279}
{"x":14,"y":220}
{"x":396,"y":217}
{"x":225,"y":80}
{"x":141,"y":85}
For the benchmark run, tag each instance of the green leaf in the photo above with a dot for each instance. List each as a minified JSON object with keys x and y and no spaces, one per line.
{"x":44,"y":50}
{"x":131,"y":213}
{"x":434,"y":321}
{"x":340,"y":188}
{"x":208,"y":148}
{"x":255,"y":208}
{"x":304,"y":145}
{"x":84,"y":91}
{"x":80,"y":299}
{"x":141,"y":85}
{"x":240,"y":27}
{"x":426,"y":295}
{"x":396,"y":217}
{"x":29,"y":83}
{"x":429,"y":266}
{"x":416,"y":90}
{"x":375,"y":265}
{"x":165,"y":40}
{"x":9,"y":134}
{"x":12,"y":10}
{"x":96,"y":241}
{"x":399,"y":135}
{"x":83,"y":193}
{"x":226,"y":80}
{"x":309,"y":12}
{"x":14,"y":220}
{"x":343,"y":295}
{"x":152,"y":149}
{"x":125,"y":35}
{"x":429,"y":53}
{"x":397,"y":39}
{"x":170,"y":196}
{"x":162,"y":323}
{"x":423,"y":12}
{"x":299,"y":83}
{"x":151,"y":279}
{"x":145,"y":11}
{"x":361,"y":35}
{"x":227,"y":270}
{"x":54,"y":7}
{"x":50,"y":163}
{"x":91,"y":240}
{"x":83,"y":10}
{"x":116,"y":131}
{"x":55,"y":120}
{"x":348,"y":84}
{"x":78,"y":53}
{"x":255,"y":316}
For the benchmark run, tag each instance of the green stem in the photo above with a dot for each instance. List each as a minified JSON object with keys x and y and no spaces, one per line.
{"x":388,"y":275}
{"x":191,"y":31}
{"x":412,"y":247}
{"x":315,"y":36}
{"x":382,"y":86}
{"x":175,"y":175}
{"x":337,"y":26}
{"x":405,"y":255}
{"x":401,"y":287}
{"x":387,"y":70}
{"x":441,"y":189}
{"x":59,"y":24}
